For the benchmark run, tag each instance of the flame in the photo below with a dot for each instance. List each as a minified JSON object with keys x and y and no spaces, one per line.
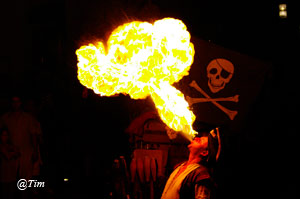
{"x":143,"y":59}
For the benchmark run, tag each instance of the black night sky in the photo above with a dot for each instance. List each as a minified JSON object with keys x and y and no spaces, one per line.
{"x":37,"y":57}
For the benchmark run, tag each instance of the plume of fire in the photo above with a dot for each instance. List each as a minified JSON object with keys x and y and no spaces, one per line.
{"x":143,"y":59}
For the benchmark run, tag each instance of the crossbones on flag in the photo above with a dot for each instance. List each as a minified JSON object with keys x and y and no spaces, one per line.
{"x":222,"y":84}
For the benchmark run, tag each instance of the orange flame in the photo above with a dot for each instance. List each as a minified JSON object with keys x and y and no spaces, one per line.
{"x":143,"y":59}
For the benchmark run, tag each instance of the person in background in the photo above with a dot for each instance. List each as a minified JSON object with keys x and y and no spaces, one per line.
{"x":24,"y":132}
{"x":192,"y":179}
{"x":9,"y":155}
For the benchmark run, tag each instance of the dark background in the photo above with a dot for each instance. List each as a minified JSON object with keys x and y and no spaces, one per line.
{"x":82,"y":136}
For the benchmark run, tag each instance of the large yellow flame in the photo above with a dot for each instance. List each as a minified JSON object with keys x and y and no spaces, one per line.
{"x":143,"y":59}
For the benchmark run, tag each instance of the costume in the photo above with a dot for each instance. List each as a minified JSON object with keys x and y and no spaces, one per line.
{"x":194,"y":182}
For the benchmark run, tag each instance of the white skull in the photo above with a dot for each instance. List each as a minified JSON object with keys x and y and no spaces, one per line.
{"x":219,"y":73}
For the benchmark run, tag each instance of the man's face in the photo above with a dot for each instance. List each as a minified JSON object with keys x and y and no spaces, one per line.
{"x":199,"y":146}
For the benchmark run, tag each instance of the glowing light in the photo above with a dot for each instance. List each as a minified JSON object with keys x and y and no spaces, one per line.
{"x":66,"y":179}
{"x":283,"y":14}
{"x":282,"y":11}
{"x":143,"y":59}
{"x":282,"y":7}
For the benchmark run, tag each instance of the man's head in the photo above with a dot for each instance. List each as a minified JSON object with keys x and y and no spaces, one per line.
{"x":206,"y":144}
{"x":199,"y":146}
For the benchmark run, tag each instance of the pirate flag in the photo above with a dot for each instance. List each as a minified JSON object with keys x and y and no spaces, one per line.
{"x":222,"y":84}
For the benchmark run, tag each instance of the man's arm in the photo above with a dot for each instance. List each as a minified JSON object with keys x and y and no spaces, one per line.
{"x":202,"y":192}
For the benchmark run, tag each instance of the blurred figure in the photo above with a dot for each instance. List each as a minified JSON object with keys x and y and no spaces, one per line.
{"x":24,"y":133}
{"x":9,"y":155}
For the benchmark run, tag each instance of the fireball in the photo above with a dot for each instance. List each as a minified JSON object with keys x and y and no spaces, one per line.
{"x":141,"y":59}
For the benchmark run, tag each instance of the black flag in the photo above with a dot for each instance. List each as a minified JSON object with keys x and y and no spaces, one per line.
{"x":222,"y":84}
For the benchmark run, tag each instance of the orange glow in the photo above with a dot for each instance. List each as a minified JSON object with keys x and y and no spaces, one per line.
{"x":143,"y":59}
